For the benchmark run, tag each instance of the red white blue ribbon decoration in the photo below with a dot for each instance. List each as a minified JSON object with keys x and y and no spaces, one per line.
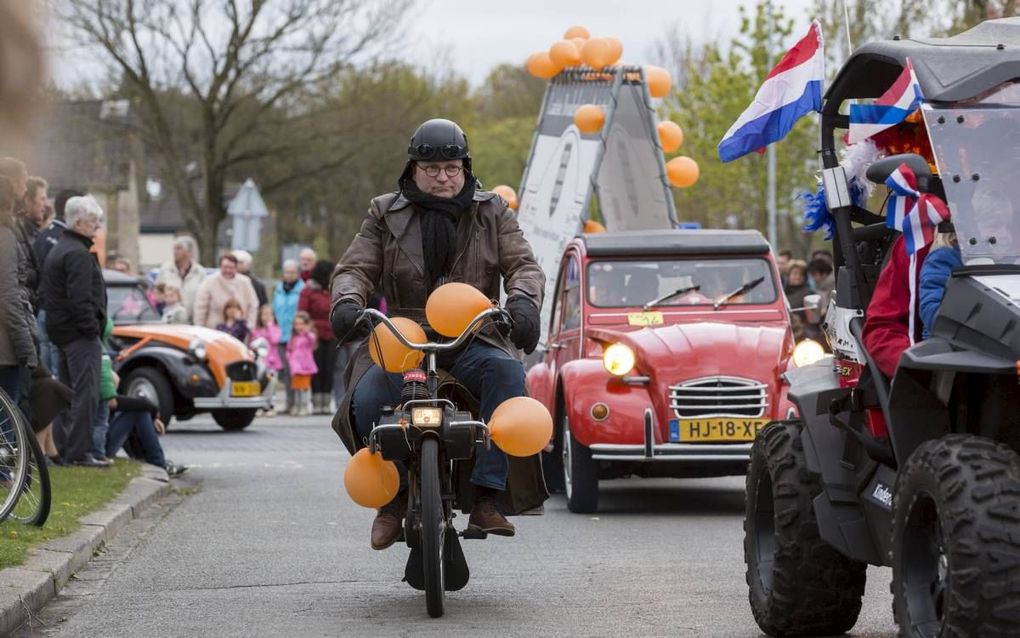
{"x":917,"y":215}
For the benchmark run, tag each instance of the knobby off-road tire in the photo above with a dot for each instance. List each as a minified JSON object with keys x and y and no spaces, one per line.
{"x":433,"y":527}
{"x":799,"y":585}
{"x":956,"y":540}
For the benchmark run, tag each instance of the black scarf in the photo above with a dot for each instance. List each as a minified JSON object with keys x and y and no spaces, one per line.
{"x":439,"y":218}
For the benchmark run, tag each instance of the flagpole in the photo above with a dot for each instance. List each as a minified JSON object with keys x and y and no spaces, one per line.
{"x":770,"y":202}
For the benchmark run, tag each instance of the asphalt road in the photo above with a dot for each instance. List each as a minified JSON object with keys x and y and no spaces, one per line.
{"x":264,"y":542}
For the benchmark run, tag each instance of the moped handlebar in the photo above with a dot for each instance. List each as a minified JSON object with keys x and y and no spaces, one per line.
{"x":433,"y":347}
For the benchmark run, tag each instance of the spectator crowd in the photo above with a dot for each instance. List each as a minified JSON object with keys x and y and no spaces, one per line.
{"x":803,"y":278}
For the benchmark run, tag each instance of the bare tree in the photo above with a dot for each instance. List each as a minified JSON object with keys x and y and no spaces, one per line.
{"x":244,"y":69}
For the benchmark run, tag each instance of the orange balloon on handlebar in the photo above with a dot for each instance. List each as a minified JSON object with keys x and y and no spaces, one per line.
{"x":388,"y":353}
{"x":370,"y":480}
{"x":451,"y":307}
{"x":521,"y":426}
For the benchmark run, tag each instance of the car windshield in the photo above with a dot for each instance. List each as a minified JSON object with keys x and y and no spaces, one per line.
{"x":128,"y":304}
{"x":620,"y":283}
{"x":977,"y":151}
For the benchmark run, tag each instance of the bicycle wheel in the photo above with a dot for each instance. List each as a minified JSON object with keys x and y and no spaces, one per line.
{"x":33,"y":508}
{"x":433,"y":527}
{"x":14,"y":454}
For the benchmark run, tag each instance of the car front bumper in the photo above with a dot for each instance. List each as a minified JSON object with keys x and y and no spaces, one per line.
{"x":225,"y":400}
{"x":650,"y":451}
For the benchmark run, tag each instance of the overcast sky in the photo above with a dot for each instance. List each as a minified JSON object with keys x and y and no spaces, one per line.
{"x":479,"y":34}
{"x":476,"y":35}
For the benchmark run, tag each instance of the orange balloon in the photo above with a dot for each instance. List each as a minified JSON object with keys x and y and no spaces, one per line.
{"x":597,"y":53}
{"x":564,"y":53}
{"x":615,"y":49}
{"x":451,"y":307}
{"x":521,"y":426}
{"x":576,"y":31}
{"x":682,"y":171}
{"x":659,"y":81}
{"x":541,"y":66}
{"x":508,"y":194}
{"x":592,"y":226}
{"x":370,"y":480}
{"x":589,"y":118}
{"x":388,"y":353}
{"x":671,"y":136}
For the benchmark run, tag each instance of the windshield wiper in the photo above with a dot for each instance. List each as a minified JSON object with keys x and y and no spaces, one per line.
{"x":739,"y":291}
{"x":655,"y":302}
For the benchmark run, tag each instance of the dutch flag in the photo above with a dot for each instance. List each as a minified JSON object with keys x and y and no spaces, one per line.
{"x":792,"y":89}
{"x":899,"y":101}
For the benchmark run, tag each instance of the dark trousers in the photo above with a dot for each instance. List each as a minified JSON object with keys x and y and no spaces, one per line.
{"x":79,"y":368}
{"x":138,"y":425}
{"x":487,"y":372}
{"x":10,"y":381}
{"x":325,"y":359}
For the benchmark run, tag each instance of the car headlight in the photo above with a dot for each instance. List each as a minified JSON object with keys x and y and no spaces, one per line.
{"x":198,"y":350}
{"x":808,"y":351}
{"x":618,"y":359}
{"x":260,"y":347}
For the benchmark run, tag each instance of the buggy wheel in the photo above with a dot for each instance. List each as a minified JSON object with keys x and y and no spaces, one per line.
{"x":233,"y":420}
{"x":150,"y":383}
{"x":580,"y":475}
{"x":956,"y":556}
{"x":798,"y":584}
{"x":33,"y":506}
{"x":433,"y":527}
{"x":15,"y":454}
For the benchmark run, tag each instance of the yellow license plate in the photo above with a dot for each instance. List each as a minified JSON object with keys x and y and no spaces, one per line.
{"x":245,"y":389}
{"x":719,"y":430}
{"x":644,"y":319}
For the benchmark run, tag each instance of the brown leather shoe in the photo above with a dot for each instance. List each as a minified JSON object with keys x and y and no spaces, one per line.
{"x":485,"y":516}
{"x":387,"y":523}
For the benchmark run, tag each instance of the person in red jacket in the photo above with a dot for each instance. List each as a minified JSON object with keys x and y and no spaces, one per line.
{"x":888,"y":318}
{"x":314,"y":300}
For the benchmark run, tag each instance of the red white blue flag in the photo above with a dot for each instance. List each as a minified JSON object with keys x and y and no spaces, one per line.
{"x":792,"y":89}
{"x":899,"y":101}
{"x":915,"y":214}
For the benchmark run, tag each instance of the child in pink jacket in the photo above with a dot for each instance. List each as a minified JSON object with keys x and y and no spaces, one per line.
{"x":301,"y":360}
{"x":267,"y":329}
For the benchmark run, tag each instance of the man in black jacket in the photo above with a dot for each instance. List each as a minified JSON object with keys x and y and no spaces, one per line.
{"x":74,"y":298}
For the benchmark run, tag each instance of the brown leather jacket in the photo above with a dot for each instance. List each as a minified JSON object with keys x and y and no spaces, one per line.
{"x":387,"y":255}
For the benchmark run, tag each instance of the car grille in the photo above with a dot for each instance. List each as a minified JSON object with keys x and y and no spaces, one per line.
{"x":242,"y":371}
{"x":718,"y":396}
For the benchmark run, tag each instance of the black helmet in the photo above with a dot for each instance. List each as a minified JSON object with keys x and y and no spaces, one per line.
{"x":438,"y":140}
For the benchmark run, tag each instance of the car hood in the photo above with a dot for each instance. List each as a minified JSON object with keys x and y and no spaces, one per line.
{"x":706,"y":349}
{"x":220,"y":346}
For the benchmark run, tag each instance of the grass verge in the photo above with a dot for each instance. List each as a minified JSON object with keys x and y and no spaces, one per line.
{"x":77,"y":492}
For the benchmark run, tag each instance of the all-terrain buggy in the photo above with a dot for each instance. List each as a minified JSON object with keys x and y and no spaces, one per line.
{"x":920,"y":471}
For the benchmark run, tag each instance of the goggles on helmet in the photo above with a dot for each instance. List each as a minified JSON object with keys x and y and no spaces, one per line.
{"x":432,"y":152}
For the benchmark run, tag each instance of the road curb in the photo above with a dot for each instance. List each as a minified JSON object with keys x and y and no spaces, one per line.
{"x":25,"y":589}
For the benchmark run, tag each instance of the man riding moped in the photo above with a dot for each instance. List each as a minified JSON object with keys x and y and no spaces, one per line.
{"x":439,"y":227}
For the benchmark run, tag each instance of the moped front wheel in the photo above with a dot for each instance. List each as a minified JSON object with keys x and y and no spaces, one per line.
{"x":433,"y":527}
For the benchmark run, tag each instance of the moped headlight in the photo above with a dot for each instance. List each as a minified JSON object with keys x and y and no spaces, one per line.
{"x":198,"y":350}
{"x":260,"y":347}
{"x":808,"y":351}
{"x":618,"y":359}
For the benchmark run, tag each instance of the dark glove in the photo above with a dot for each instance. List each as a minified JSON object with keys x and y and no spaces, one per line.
{"x":527,"y":329}
{"x":344,"y":320}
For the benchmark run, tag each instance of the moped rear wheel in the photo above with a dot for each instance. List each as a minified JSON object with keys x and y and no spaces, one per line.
{"x":15,"y":454}
{"x":433,"y":527}
{"x":33,"y":507}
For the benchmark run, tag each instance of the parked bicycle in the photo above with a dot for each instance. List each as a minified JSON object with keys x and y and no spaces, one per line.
{"x":25,"y":493}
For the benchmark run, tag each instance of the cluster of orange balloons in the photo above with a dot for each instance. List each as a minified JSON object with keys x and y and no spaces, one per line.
{"x":576,"y":48}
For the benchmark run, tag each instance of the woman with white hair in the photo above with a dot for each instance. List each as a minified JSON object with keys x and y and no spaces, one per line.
{"x":74,"y":298}
{"x":183,"y":272}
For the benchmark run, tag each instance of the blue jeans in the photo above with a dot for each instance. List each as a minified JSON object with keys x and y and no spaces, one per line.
{"x":99,"y":428}
{"x":139,"y":423}
{"x":487,"y":372}
{"x":49,"y":354}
